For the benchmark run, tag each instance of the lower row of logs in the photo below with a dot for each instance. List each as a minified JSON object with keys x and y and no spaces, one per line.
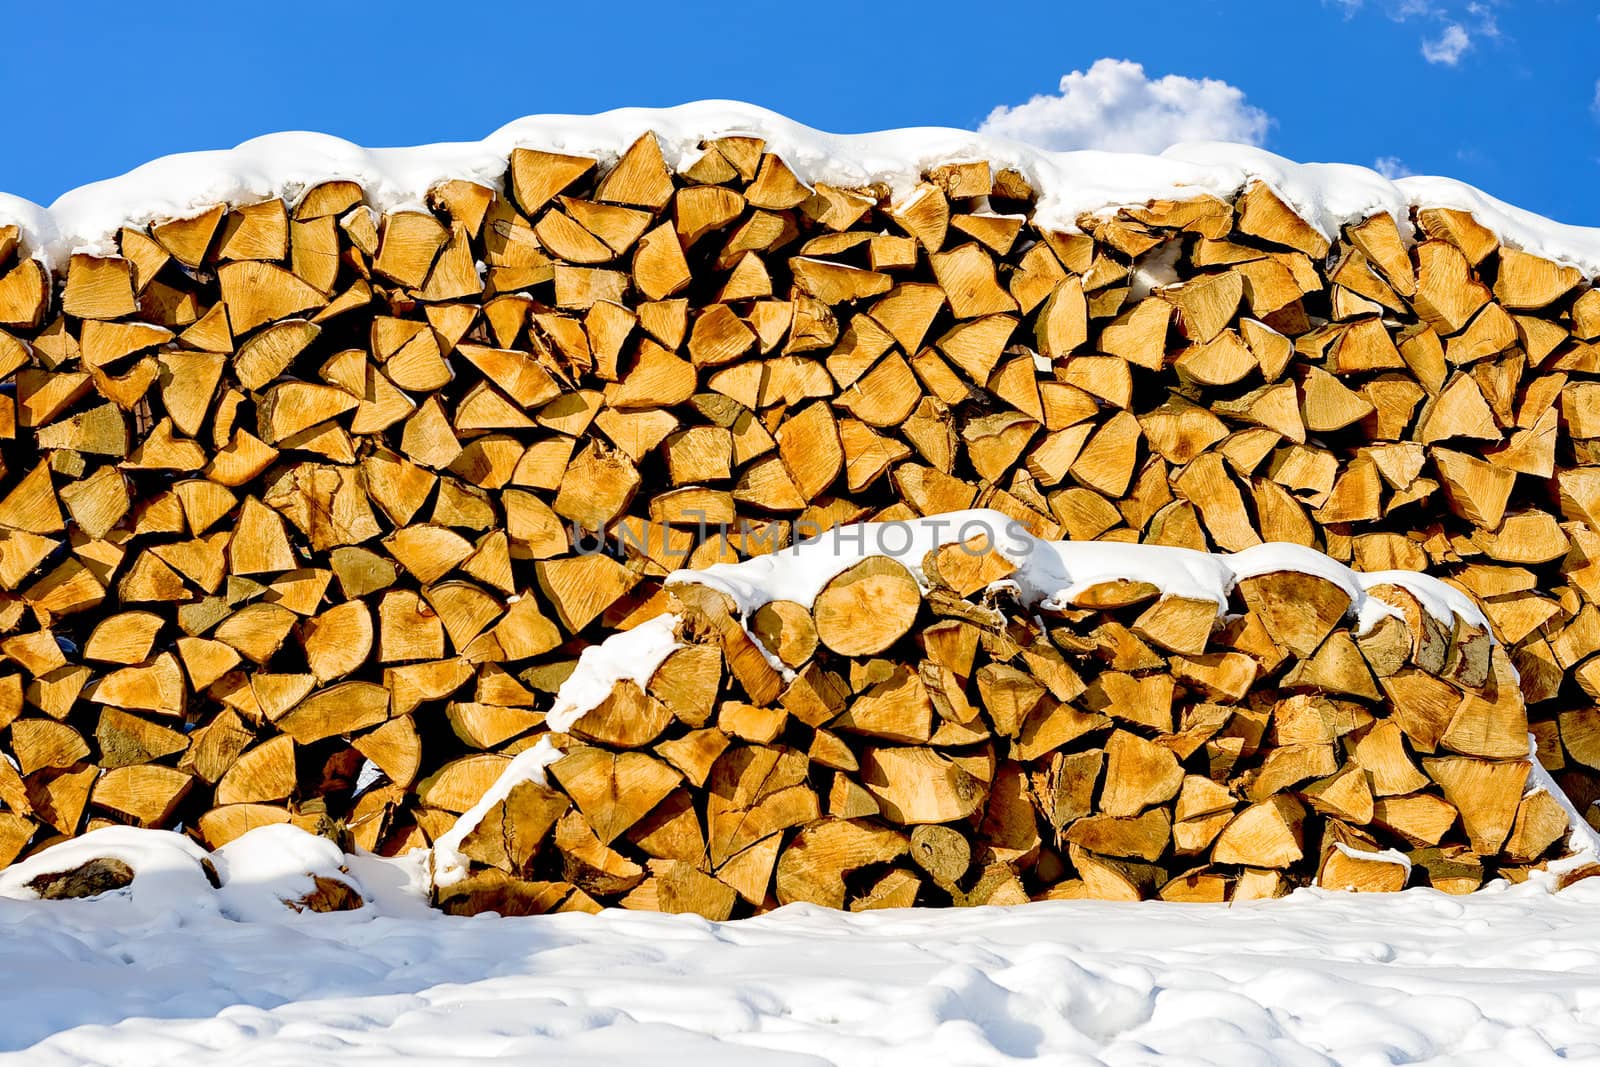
{"x":943,"y":748}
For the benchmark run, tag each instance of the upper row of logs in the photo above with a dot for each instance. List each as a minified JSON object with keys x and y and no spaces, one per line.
{"x":292,"y":487}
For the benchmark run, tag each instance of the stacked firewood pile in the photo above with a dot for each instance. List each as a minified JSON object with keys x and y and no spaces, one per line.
{"x":939,"y":750}
{"x":294,"y":492}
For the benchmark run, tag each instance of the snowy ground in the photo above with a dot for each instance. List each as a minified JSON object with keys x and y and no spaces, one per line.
{"x":228,"y":977}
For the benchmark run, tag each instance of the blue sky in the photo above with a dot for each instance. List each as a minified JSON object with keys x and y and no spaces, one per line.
{"x":1504,"y":94}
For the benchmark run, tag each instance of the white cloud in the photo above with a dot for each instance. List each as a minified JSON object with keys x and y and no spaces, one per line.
{"x":1487,"y":26}
{"x":1464,"y":26}
{"x":1114,"y":106}
{"x":1596,"y":104}
{"x":1398,"y":10}
{"x":1405,"y":9}
{"x":1449,"y":47}
{"x":1391,"y":167}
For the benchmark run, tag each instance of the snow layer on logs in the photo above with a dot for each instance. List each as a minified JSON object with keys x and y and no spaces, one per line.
{"x":1051,"y":573}
{"x":449,"y":865}
{"x":1070,"y":183}
{"x":632,"y":655}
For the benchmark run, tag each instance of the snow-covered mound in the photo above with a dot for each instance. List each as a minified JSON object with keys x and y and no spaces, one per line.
{"x":269,"y":873}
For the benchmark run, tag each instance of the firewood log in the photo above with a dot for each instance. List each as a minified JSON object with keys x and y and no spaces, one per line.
{"x":867,"y":607}
{"x":814,"y":866}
